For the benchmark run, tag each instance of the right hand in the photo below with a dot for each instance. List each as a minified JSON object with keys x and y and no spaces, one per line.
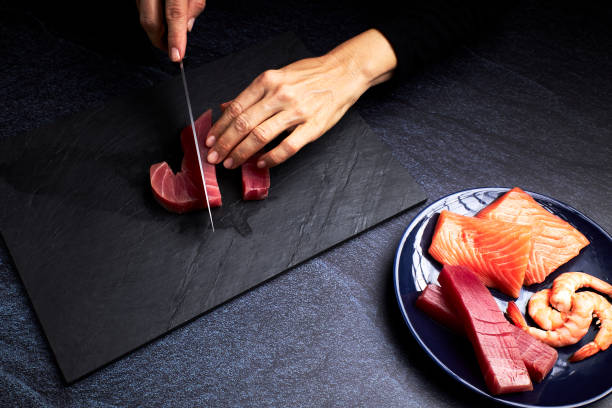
{"x":180,"y":16}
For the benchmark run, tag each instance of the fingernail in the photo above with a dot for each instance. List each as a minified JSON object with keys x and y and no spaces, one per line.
{"x":212,"y":157}
{"x":175,"y":55}
{"x":190,"y":24}
{"x":210,"y":141}
{"x":228,"y":162}
{"x":261,"y":164}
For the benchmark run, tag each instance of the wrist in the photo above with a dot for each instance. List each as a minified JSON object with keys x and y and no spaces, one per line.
{"x":368,"y":57}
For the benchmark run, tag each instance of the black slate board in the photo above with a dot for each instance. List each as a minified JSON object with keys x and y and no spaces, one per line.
{"x":107,"y":269}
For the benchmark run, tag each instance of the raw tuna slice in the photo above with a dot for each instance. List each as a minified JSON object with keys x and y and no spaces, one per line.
{"x":487,"y":329}
{"x":538,"y":357}
{"x":496,"y":251}
{"x":432,"y":302}
{"x":554,"y":241}
{"x":183,"y":192}
{"x":255,"y":181}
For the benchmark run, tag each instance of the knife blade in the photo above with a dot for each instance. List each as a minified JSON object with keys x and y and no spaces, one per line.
{"x":197,"y":146}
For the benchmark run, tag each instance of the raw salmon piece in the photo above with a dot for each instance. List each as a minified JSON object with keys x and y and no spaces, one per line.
{"x":487,"y":329}
{"x":538,"y":357}
{"x":497,"y":251}
{"x":183,"y":191}
{"x":554,"y":241}
{"x":255,"y":181}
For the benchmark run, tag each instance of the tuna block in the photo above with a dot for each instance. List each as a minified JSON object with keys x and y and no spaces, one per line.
{"x":538,"y":357}
{"x":487,"y":329}
{"x":255,"y":181}
{"x":432,"y":302}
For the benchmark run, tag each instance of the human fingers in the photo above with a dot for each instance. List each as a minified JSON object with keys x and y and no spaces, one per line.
{"x":241,"y":126}
{"x":195,"y":8}
{"x":261,"y":135}
{"x":224,"y":105}
{"x":300,"y":137}
{"x":232,"y":109}
{"x":176,"y":17}
{"x":152,"y":21}
{"x":252,"y":94}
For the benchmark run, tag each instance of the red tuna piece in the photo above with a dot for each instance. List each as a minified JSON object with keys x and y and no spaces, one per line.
{"x":487,"y":329}
{"x":538,"y":357}
{"x":432,"y":302}
{"x":183,"y":192}
{"x":255,"y":181}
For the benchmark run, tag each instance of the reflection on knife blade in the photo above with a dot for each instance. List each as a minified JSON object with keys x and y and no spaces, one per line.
{"x":197,"y":147}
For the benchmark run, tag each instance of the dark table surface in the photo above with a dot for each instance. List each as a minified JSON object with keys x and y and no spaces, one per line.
{"x":530,"y":105}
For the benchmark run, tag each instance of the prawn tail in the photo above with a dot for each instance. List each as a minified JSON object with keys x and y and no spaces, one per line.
{"x":515,"y":315}
{"x":584,"y":352}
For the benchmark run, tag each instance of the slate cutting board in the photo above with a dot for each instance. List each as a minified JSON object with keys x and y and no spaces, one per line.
{"x":107,"y":269}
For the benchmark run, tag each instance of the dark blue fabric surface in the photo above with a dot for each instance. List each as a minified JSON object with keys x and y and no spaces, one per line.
{"x":530,"y":105}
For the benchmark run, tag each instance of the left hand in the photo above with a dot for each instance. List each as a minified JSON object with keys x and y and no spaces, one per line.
{"x":307,"y":97}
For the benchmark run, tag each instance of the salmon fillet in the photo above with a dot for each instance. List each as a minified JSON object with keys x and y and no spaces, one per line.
{"x":554,"y":241}
{"x":497,"y":251}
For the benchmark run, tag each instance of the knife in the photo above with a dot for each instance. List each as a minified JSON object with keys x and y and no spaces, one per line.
{"x":197,"y":146}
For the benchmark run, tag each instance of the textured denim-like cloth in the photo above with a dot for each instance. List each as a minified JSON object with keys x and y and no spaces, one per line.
{"x":328,"y":332}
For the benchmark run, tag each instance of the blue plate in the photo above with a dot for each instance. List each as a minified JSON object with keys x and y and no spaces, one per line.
{"x":568,"y":384}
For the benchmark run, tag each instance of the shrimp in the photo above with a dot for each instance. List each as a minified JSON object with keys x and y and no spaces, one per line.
{"x":542,"y":313}
{"x":575,"y":326}
{"x":603,"y":339}
{"x":568,"y":283}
